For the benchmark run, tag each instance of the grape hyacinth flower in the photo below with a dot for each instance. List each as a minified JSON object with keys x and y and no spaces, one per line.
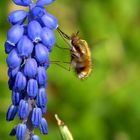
{"x":28,"y":46}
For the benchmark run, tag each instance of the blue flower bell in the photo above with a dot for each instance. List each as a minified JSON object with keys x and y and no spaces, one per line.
{"x":25,"y":47}
{"x":42,"y":97}
{"x":20,"y":81}
{"x":23,"y":2}
{"x":41,"y":76}
{"x":17,"y":17}
{"x":20,"y":132}
{"x":44,"y":2}
{"x":11,"y":113}
{"x":34,"y":31}
{"x":41,"y":53}
{"x":43,"y":126}
{"x":16,"y":97}
{"x":13,"y":59}
{"x":14,"y":34}
{"x":49,"y":21}
{"x":23,"y":109}
{"x":36,"y":117}
{"x":48,"y":38}
{"x":30,"y":68}
{"x":35,"y":137}
{"x":32,"y":88}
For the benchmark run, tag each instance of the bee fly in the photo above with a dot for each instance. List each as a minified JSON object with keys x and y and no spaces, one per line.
{"x":80,"y":54}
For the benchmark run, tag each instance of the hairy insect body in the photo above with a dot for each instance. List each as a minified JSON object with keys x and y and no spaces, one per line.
{"x":80,"y":57}
{"x":80,"y":54}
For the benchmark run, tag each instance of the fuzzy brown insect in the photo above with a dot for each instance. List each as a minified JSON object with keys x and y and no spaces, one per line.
{"x":80,"y":55}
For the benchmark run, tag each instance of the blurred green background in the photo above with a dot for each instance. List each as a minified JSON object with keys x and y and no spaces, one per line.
{"x":106,"y":106}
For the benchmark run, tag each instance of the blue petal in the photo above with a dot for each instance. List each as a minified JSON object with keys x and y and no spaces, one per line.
{"x":44,"y":2}
{"x":30,"y":68}
{"x":8,"y":47}
{"x":21,"y":132}
{"x":17,"y":17}
{"x":42,"y":97}
{"x":41,"y":53}
{"x":11,"y":83}
{"x":46,"y":65}
{"x":23,"y":109}
{"x":43,"y":109}
{"x":16,"y":97}
{"x":25,"y":26}
{"x":49,"y":21}
{"x":13,"y":60}
{"x":13,"y":132}
{"x":34,"y":31}
{"x":20,"y":81}
{"x":14,"y":34}
{"x":25,"y":47}
{"x":32,"y":88}
{"x":23,"y":2}
{"x":11,"y":113}
{"x":13,"y":72}
{"x":38,"y":11}
{"x":35,"y":137}
{"x":41,"y":76}
{"x":48,"y":38}
{"x":36,"y":117}
{"x":43,"y":126}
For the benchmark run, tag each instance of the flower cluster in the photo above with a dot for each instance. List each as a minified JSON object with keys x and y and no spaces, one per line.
{"x":29,"y":42}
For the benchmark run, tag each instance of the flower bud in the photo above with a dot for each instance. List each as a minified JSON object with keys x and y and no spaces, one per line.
{"x":48,"y":38}
{"x":35,"y":137}
{"x":23,"y":2}
{"x":38,"y":11}
{"x":46,"y":64}
{"x":43,"y":109}
{"x":14,"y":34}
{"x":20,"y":132}
{"x":30,"y":68}
{"x":16,"y":97}
{"x":13,"y":132}
{"x":20,"y":81}
{"x":13,"y":72}
{"x":43,"y":126}
{"x":13,"y":60}
{"x":23,"y":109}
{"x":44,"y":2}
{"x":41,"y":53}
{"x":11,"y":113}
{"x":17,"y":17}
{"x":42,"y":98}
{"x":34,"y":31}
{"x":32,"y":88}
{"x":41,"y":76}
{"x":49,"y":21}
{"x":25,"y":47}
{"x":36,"y":117}
{"x":11,"y":83}
{"x":8,"y":47}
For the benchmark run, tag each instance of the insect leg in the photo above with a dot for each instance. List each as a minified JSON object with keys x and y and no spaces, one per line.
{"x":57,"y":63}
{"x":62,"y":33}
{"x":62,"y":47}
{"x":64,"y":36}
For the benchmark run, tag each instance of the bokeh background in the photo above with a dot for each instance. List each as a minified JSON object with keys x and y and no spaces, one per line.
{"x":106,"y":106}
